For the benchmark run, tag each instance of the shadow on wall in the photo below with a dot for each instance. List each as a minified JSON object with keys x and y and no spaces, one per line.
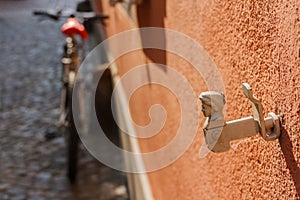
{"x":104,"y":105}
{"x":287,"y":150}
{"x":152,"y":14}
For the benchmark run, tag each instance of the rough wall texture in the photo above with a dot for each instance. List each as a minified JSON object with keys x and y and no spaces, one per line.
{"x":250,"y":41}
{"x":255,"y":42}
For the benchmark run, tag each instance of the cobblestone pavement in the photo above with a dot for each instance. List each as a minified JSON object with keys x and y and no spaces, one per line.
{"x":30,"y":166}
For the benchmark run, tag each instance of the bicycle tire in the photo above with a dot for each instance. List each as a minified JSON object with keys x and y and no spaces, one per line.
{"x":72,"y":139}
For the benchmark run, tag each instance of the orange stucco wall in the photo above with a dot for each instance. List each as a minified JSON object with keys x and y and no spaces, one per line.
{"x":250,"y":41}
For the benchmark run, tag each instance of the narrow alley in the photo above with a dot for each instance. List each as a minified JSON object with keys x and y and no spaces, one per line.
{"x":32,"y":167}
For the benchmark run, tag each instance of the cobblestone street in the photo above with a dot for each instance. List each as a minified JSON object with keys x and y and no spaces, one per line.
{"x":32,"y":167}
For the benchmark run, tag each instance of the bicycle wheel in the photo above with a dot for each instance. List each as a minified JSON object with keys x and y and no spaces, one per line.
{"x":72,"y":139}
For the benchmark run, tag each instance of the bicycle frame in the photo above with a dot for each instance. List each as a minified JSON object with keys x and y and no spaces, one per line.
{"x":70,"y":60}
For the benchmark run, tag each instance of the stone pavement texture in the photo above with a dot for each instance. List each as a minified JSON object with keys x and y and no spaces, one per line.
{"x":30,"y":166}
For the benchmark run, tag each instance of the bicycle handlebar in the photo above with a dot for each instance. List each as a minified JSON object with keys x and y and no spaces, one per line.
{"x":54,"y":16}
{"x":85,"y":16}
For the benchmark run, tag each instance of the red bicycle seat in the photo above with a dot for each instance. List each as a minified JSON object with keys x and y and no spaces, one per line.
{"x":73,"y":27}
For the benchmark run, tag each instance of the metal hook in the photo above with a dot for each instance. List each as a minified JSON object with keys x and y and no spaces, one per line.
{"x":269,"y":127}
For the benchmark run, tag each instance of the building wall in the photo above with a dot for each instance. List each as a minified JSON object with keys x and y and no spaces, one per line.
{"x":250,"y":41}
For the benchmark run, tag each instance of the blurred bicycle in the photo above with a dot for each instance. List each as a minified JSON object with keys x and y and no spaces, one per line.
{"x":73,"y":28}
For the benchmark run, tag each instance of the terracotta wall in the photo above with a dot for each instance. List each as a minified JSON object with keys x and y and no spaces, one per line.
{"x":250,"y":41}
{"x":255,"y":42}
